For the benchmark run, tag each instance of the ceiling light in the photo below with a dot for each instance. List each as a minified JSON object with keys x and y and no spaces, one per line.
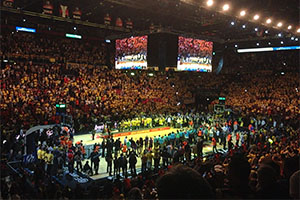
{"x":236,"y":46}
{"x":298,"y":30}
{"x":266,"y":31}
{"x":244,"y":26}
{"x":209,"y":2}
{"x":256,"y":17}
{"x":232,"y":23}
{"x":296,"y":39}
{"x":226,"y":7}
{"x":279,"y":24}
{"x":256,"y":29}
{"x":269,"y":43}
{"x":289,"y":27}
{"x":279,"y":34}
{"x":281,"y":42}
{"x":269,"y":21}
{"x":242,"y":13}
{"x":257,"y":44}
{"x":292,"y":38}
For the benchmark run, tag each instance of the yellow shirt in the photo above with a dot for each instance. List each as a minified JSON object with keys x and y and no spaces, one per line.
{"x":43,"y":155}
{"x":39,"y":154}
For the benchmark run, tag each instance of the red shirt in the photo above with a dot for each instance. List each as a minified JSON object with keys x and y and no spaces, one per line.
{"x":214,"y":142}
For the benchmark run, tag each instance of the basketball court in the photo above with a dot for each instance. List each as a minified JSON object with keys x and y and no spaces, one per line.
{"x":87,"y":140}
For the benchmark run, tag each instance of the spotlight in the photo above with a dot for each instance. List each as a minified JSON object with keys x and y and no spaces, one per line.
{"x":256,"y":29}
{"x":269,"y":21}
{"x":257,"y":44}
{"x":289,"y":27}
{"x":279,"y":24}
{"x":226,"y":7}
{"x":242,"y":13}
{"x":232,"y":23}
{"x":236,"y":46}
{"x":279,"y":34}
{"x":292,"y":38}
{"x":24,"y":20}
{"x":256,"y":17}
{"x":269,"y":43}
{"x":296,"y":39}
{"x":266,"y":31}
{"x":281,"y":42}
{"x":244,"y":26}
{"x":298,"y":30}
{"x":209,"y":2}
{"x":74,"y":28}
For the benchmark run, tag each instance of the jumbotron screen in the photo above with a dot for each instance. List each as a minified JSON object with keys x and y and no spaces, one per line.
{"x":131,"y":53}
{"x":194,"y":55}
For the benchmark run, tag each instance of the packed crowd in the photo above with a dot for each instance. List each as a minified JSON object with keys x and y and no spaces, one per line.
{"x":267,"y":95}
{"x":29,"y":93}
{"x":18,"y":45}
{"x":265,"y":134}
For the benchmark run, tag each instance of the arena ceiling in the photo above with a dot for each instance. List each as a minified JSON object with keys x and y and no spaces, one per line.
{"x":192,"y":16}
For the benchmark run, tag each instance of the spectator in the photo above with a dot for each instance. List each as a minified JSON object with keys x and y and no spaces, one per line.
{"x":183,"y":183}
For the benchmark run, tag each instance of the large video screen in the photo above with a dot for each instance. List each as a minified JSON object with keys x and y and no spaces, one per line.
{"x":131,"y":53}
{"x":194,"y":55}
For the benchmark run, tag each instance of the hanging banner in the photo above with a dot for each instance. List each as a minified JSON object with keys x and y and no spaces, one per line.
{"x":47,"y":8}
{"x":129,"y":24}
{"x":77,"y":13}
{"x":107,"y":19}
{"x":8,"y":3}
{"x":63,"y":11}
{"x":119,"y":22}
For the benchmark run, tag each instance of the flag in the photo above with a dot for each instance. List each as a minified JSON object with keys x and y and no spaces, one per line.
{"x":119,"y":22}
{"x":129,"y":24}
{"x":77,"y":13}
{"x":107,"y":19}
{"x":63,"y":11}
{"x":48,"y":8}
{"x":8,"y":3}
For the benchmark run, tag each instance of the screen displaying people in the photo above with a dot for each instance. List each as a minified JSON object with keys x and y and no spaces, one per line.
{"x":131,"y":53}
{"x":194,"y":55}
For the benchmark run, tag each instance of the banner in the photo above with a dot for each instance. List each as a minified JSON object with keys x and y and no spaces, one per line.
{"x":119,"y":22}
{"x":48,"y":8}
{"x":63,"y":11}
{"x":8,"y":3}
{"x":107,"y":19}
{"x":129,"y":24}
{"x":30,"y":158}
{"x":77,"y":13}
